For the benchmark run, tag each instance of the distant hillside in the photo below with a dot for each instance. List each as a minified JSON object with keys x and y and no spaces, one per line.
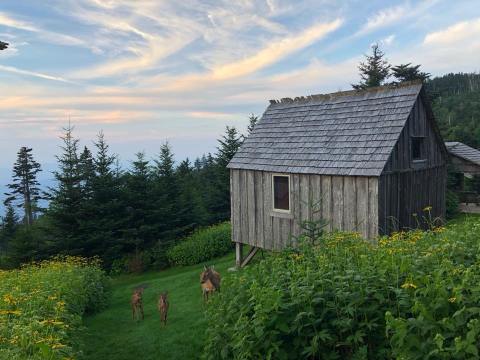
{"x":456,"y":105}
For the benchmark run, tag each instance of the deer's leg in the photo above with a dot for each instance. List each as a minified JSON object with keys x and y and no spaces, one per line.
{"x":133,"y":312}
{"x":141,"y":311}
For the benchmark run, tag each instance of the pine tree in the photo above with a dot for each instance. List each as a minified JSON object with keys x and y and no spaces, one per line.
{"x":374,"y":71}
{"x":107,"y":213}
{"x":220,"y":197}
{"x":407,"y":72}
{"x":24,"y":188}
{"x":252,"y":122}
{"x":9,"y":227}
{"x":66,"y":198}
{"x":166,"y":190}
{"x":139,"y":232}
{"x":3,"y":45}
{"x":191,"y":211}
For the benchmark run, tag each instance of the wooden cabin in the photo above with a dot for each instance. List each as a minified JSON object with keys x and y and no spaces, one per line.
{"x":464,"y":163}
{"x":371,"y":159}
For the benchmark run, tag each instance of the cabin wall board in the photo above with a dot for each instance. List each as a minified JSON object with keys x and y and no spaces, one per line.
{"x":406,"y":186}
{"x":347,"y":203}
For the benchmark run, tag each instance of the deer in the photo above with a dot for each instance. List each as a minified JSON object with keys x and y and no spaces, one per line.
{"x":137,"y":304}
{"x":209,"y":281}
{"x":162,"y":306}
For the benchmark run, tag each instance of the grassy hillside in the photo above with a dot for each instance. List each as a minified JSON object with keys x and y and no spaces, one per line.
{"x":114,"y":335}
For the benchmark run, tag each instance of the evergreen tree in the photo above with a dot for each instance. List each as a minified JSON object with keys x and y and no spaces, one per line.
{"x":374,"y":71}
{"x":191,"y":210}
{"x":24,"y":188}
{"x":252,"y":122}
{"x":139,"y":232}
{"x":3,"y":45}
{"x":9,"y":227}
{"x":407,"y":72}
{"x":220,"y":199}
{"x":66,"y":199}
{"x":166,"y":191}
{"x":107,"y":213}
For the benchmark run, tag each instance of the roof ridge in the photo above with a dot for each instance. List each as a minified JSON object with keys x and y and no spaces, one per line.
{"x":301,"y":99}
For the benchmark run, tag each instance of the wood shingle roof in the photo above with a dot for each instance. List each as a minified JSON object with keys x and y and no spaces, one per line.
{"x":463,"y":151}
{"x":346,"y":133}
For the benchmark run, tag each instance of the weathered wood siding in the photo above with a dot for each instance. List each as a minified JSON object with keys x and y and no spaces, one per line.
{"x":347,"y":203}
{"x":407,"y":186}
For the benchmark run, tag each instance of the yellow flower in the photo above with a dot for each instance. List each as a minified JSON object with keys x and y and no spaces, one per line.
{"x":408,"y":285}
{"x":427,"y":208}
{"x":452,"y":299}
{"x":9,"y":299}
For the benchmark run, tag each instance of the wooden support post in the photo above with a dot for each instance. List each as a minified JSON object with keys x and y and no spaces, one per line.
{"x":250,"y":256}
{"x":238,"y":254}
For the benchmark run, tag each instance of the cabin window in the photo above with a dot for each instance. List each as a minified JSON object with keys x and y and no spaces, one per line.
{"x":281,"y":193}
{"x":417,"y":148}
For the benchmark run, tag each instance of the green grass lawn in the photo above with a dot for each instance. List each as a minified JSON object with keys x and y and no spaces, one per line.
{"x":112,"y":334}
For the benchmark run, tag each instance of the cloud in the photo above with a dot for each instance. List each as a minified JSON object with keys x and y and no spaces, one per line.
{"x":388,"y":40}
{"x":7,"y":20}
{"x":275,"y":51}
{"x":15,"y":70}
{"x":465,"y":30}
{"x":385,"y":17}
{"x":439,"y":51}
{"x":394,"y":15}
{"x":45,"y":35}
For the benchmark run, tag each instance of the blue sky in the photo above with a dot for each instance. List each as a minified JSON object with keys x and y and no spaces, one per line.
{"x":146,"y":71}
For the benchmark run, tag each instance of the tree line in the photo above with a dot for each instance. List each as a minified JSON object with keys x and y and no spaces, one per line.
{"x":97,"y":208}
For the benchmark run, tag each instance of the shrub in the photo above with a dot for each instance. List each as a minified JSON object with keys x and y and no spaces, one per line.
{"x":41,"y":306}
{"x":202,"y":245}
{"x":451,"y":203}
{"x":414,"y":295}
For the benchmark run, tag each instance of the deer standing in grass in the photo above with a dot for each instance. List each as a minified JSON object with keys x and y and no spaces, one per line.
{"x":163,"y":307}
{"x":209,"y":281}
{"x":137,"y":304}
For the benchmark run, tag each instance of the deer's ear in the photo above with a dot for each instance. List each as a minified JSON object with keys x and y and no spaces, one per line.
{"x":213,"y":267}
{"x":205,"y":267}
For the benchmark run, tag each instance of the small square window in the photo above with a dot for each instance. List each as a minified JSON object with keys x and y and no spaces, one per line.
{"x":417,"y":148}
{"x":281,"y":193}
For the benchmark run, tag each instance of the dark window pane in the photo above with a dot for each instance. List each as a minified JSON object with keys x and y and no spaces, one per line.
{"x":280,"y":193}
{"x":417,"y":148}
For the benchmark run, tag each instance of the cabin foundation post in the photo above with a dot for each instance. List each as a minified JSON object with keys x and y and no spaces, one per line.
{"x":238,"y":254}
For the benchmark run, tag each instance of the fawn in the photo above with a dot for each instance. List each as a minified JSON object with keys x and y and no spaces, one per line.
{"x":137,"y":304}
{"x":163,"y":307}
{"x":209,"y":281}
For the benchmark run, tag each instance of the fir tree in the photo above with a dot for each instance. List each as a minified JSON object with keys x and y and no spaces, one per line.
{"x":374,"y":71}
{"x":66,"y":198}
{"x":407,"y":72}
{"x":191,"y":210}
{"x":9,"y":227}
{"x":24,"y":188}
{"x":139,"y":232}
{"x":220,"y":199}
{"x":252,"y":122}
{"x":3,"y":45}
{"x":107,"y":213}
{"x":166,"y":190}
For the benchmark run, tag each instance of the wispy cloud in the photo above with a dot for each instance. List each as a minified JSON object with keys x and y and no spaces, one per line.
{"x":394,"y":15}
{"x":275,"y":51}
{"x":385,"y":17}
{"x":456,"y":33}
{"x":15,"y":70}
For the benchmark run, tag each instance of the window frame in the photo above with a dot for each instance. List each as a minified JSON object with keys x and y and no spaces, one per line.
{"x":421,"y":148}
{"x":289,"y":211}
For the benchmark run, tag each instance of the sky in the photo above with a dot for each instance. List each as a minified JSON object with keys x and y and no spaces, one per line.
{"x":150,"y":71}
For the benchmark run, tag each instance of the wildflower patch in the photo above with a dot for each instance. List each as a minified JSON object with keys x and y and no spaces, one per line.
{"x":413,"y":295}
{"x":41,"y":307}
